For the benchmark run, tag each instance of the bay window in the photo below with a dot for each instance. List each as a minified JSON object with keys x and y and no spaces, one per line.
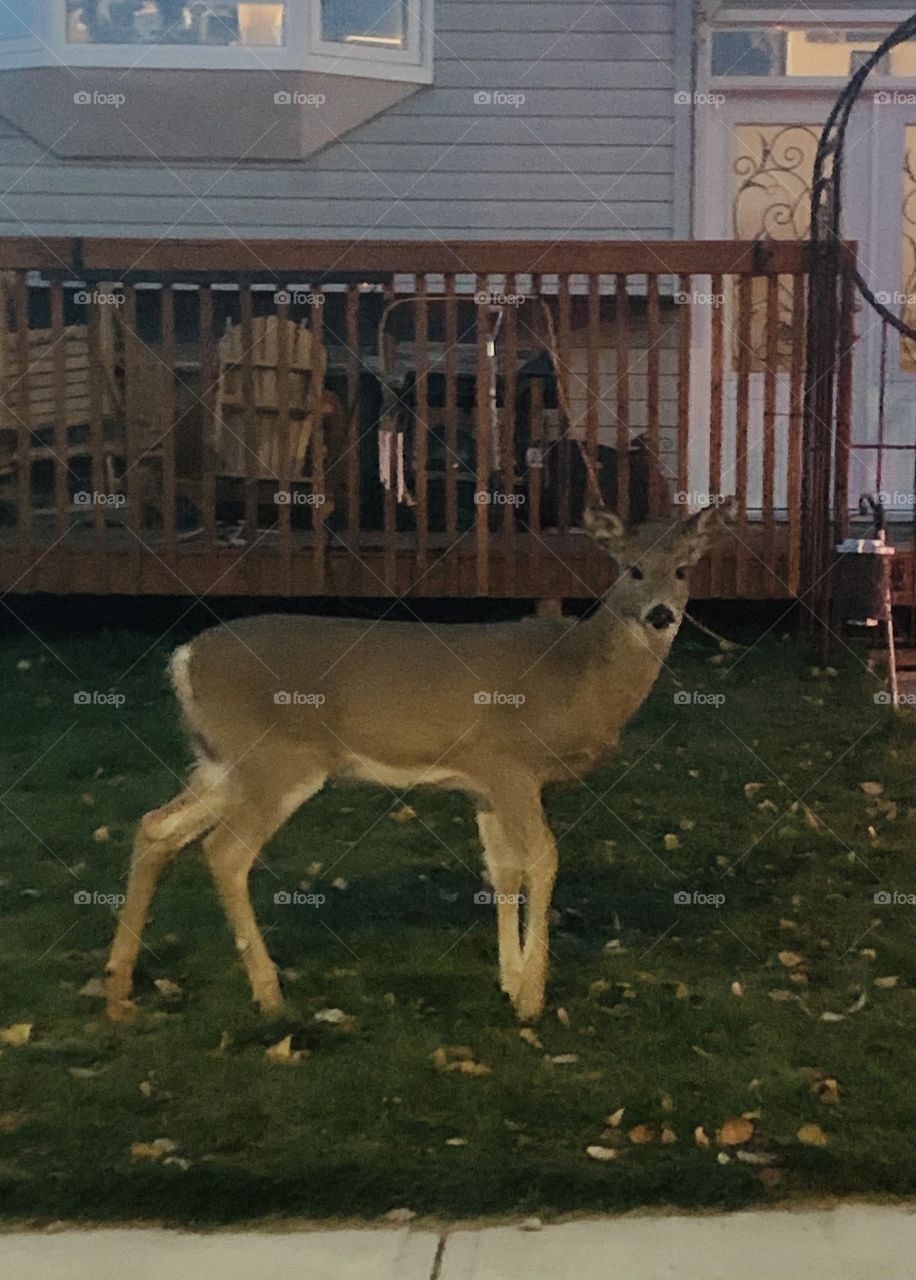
{"x":375,"y":38}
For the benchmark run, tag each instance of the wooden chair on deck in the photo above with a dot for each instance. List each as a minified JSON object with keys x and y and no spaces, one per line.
{"x":31,"y":396}
{"x":234,"y":439}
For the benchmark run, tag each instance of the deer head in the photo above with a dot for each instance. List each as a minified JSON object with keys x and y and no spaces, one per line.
{"x":653,"y":571}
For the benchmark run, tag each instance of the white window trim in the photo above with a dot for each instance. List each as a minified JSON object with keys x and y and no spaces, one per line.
{"x":303,"y":50}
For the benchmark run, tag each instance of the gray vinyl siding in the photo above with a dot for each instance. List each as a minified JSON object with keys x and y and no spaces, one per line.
{"x":597,"y":150}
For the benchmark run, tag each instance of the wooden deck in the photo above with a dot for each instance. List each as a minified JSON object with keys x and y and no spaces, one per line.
{"x":467,"y":393}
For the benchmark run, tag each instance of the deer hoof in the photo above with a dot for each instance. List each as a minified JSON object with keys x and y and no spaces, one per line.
{"x":529,"y":1007}
{"x":120,"y":1010}
{"x":270,"y":1006}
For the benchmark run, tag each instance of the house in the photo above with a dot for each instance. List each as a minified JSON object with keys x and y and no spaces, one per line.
{"x":521,"y":235}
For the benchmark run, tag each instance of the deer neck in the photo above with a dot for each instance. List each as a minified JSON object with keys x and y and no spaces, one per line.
{"x":623,"y":658}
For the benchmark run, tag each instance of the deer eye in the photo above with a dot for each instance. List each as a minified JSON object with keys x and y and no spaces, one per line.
{"x":637,"y":573}
{"x":681,"y":573}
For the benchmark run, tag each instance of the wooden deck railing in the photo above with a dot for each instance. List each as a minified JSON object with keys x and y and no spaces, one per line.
{"x":287,"y":418}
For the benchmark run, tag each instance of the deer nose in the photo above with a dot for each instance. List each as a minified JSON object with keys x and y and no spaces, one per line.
{"x":660,"y":617}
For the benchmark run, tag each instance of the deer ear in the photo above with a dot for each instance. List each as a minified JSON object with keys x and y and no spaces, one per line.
{"x":605,"y":527}
{"x":699,"y":531}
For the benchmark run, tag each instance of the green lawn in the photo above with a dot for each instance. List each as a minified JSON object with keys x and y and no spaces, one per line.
{"x":684,"y":1015}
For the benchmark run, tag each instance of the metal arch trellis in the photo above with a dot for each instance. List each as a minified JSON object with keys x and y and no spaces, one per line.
{"x":833,"y":275}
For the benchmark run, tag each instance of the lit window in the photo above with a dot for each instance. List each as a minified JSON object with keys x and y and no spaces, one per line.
{"x":188,"y":22}
{"x":379,"y":23}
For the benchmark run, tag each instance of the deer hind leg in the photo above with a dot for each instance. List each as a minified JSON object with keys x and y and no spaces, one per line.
{"x":504,"y":863}
{"x":231,"y":850}
{"x":162,"y":833}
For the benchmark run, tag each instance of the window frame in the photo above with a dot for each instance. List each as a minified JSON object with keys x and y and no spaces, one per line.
{"x":410,"y":55}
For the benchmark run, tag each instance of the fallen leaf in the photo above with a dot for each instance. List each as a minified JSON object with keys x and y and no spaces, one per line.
{"x":828,"y":1016}
{"x":812,"y":1135}
{"x":563,"y":1016}
{"x":448,"y":1053}
{"x":284,"y":1054}
{"x":615,"y":1117}
{"x":756,"y":1157}
{"x":101,"y":834}
{"x":402,"y":815}
{"x":400,"y":1215}
{"x":700,"y":1136}
{"x":858,"y":1003}
{"x":640,"y":1134}
{"x":886,"y":983}
{"x":83,"y":1073}
{"x":601,"y":1153}
{"x":332,"y":1016}
{"x":668,"y":1135}
{"x":531,"y":1224}
{"x":16,"y":1035}
{"x":751,"y":789}
{"x":456,"y":1142}
{"x":530,"y":1036}
{"x":94,"y":988}
{"x":686,"y":824}
{"x":458,"y":1058}
{"x":564,"y":1059}
{"x":737,"y":989}
{"x":166,"y":987}
{"x":466,"y":1068}
{"x":178,"y":1162}
{"x":155,"y":1150}
{"x":790,"y":959}
{"x":734,"y":1131}
{"x":827,"y":1089}
{"x":671,"y":841}
{"x":872,"y":788}
{"x":770,"y":1177}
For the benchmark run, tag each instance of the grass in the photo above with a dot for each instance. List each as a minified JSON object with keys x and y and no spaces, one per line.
{"x":362,"y":1124}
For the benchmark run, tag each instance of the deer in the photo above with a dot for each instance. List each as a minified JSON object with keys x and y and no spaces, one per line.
{"x":278,"y":705}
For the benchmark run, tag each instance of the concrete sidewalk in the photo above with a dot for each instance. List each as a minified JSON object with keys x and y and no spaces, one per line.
{"x":853,"y":1242}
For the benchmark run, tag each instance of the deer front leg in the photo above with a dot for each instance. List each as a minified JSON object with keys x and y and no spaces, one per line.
{"x":539,"y":878}
{"x":505,"y":867}
{"x":527,"y":849}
